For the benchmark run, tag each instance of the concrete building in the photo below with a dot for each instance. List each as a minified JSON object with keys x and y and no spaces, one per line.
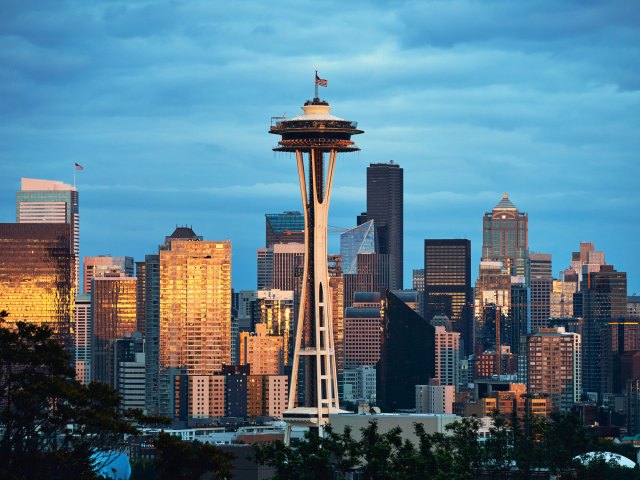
{"x":265,"y":353}
{"x":432,"y":423}
{"x":555,"y":367}
{"x":360,"y":384}
{"x":83,"y":334}
{"x":267,"y":395}
{"x":195,"y":306}
{"x":362,"y":336}
{"x":447,"y":358}
{"x":435,"y":398}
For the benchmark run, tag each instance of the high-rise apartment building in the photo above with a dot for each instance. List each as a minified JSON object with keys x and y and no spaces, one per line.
{"x":505,"y":237}
{"x":267,"y":395}
{"x":48,"y":201}
{"x":141,"y":285}
{"x":541,"y":282}
{"x":385,"y":206}
{"x":195,"y":304}
{"x":265,"y":353}
{"x":104,"y":266}
{"x":277,"y":266}
{"x":362,"y":336}
{"x":152,"y":332}
{"x":83,"y":333}
{"x":447,"y":357}
{"x":36,"y":276}
{"x":113,"y":308}
{"x":360,"y":239}
{"x":286,"y":227}
{"x":555,"y":367}
{"x":604,"y":299}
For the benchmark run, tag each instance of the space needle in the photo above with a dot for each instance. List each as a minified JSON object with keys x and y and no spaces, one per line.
{"x":316,"y":137}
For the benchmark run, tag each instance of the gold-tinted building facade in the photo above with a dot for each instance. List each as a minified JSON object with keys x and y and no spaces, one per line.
{"x":113,"y":305}
{"x":37,"y":270}
{"x":195,"y":305}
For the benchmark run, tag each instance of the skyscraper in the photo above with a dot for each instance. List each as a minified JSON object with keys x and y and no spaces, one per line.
{"x":505,"y":237}
{"x":152,"y":332}
{"x":385,"y":206}
{"x":286,"y":227}
{"x":360,"y":239}
{"x":447,"y":357}
{"x":407,"y":355}
{"x":195,"y":303}
{"x":604,"y":298}
{"x":48,"y":201}
{"x":36,"y":276}
{"x":113,"y":308}
{"x":372,"y":275}
{"x":447,"y":277}
{"x":83,"y":333}
{"x":555,"y":367}
{"x":541,"y":282}
{"x":103,"y":265}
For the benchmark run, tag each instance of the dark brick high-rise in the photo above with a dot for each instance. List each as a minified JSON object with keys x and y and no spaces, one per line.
{"x":385,"y":207}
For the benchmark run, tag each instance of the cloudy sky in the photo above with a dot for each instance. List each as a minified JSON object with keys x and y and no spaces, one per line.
{"x":167,"y":105}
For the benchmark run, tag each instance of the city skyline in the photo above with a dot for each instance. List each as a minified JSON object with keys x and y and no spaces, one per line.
{"x":172,"y":131}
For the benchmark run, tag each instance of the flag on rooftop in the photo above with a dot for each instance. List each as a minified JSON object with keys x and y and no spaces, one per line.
{"x":321,"y":81}
{"x":77,"y":166}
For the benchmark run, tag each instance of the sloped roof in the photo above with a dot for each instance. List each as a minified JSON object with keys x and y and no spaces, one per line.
{"x":505,"y":204}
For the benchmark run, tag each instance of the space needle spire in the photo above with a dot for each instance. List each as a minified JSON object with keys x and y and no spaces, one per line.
{"x":316,"y":137}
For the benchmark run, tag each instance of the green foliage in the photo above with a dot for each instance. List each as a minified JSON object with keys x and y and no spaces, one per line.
{"x":514,"y":450}
{"x":190,"y":460}
{"x":51,"y":424}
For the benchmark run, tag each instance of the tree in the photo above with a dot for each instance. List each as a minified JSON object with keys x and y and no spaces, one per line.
{"x":51,"y":424}
{"x":330,"y":456}
{"x":190,"y":460}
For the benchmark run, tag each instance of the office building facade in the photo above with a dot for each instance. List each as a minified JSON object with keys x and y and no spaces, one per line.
{"x":505,"y":237}
{"x":113,"y":308}
{"x":385,"y":206}
{"x":48,"y":201}
{"x":37,"y":275}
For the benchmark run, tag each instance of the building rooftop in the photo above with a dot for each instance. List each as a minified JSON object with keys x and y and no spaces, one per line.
{"x":505,"y":203}
{"x":361,"y":312}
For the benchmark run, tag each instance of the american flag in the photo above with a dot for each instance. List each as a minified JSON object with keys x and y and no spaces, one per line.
{"x":321,"y":81}
{"x":77,"y":166}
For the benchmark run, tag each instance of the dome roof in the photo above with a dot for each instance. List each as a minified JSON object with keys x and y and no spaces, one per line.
{"x":587,"y":458}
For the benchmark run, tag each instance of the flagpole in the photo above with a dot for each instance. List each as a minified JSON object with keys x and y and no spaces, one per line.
{"x":315,"y":80}
{"x":74,"y":175}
